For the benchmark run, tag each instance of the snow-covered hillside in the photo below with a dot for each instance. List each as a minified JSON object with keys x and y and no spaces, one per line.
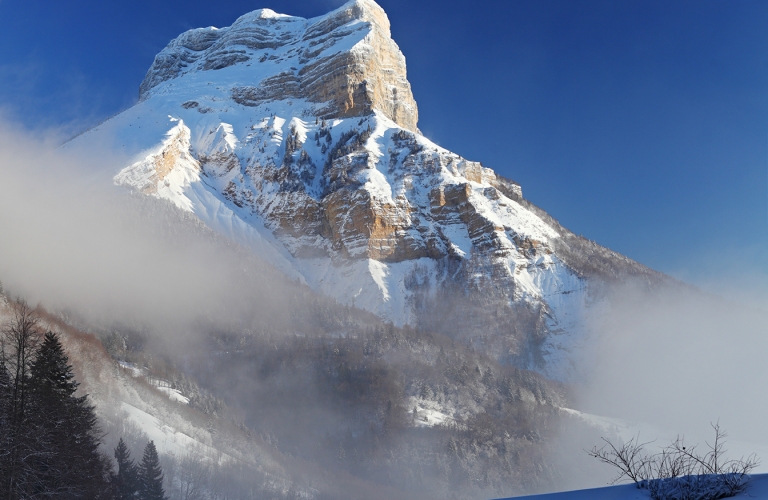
{"x":132,"y":405}
{"x":298,"y":137}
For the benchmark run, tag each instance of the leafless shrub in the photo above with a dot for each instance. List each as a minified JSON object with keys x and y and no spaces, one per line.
{"x":679,"y":472}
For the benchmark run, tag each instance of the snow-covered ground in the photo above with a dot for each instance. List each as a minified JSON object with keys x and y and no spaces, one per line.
{"x":126,"y":400}
{"x":167,"y":439}
{"x":161,"y":385}
{"x":428,"y":413}
{"x":758,"y":489}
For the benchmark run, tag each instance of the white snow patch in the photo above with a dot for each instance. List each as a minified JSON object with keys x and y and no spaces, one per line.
{"x":379,"y":272}
{"x":173,"y":394}
{"x":162,"y":385}
{"x":134,"y":370}
{"x":166,"y":438}
{"x":428,"y":413}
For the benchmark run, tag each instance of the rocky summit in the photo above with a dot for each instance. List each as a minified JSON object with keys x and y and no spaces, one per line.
{"x":299,"y":138}
{"x":346,"y":61}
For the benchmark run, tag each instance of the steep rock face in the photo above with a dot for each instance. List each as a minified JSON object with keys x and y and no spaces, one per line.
{"x":367,"y":73}
{"x":299,"y":138}
{"x":166,"y":172}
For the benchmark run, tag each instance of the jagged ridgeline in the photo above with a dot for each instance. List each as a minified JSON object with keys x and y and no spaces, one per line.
{"x":298,"y":139}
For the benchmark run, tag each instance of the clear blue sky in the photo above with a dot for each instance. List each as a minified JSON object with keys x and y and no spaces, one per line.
{"x":640,"y":124}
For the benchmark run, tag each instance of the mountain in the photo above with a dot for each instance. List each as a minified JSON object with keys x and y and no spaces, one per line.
{"x":393,"y":320}
{"x":299,"y":138}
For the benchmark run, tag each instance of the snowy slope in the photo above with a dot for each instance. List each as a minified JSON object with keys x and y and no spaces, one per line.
{"x":298,"y":138}
{"x":128,"y":405}
{"x":619,"y":492}
{"x":758,"y":489}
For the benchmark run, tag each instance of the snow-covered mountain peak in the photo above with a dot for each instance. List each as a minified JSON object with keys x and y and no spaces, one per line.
{"x":264,"y":14}
{"x":363,"y":10}
{"x":298,"y":137}
{"x":344,"y":62}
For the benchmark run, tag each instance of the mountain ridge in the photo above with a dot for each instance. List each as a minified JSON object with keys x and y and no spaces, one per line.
{"x":369,"y":75}
{"x":298,"y":137}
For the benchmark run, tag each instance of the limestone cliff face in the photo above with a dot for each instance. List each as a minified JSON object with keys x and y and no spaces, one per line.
{"x":346,"y":62}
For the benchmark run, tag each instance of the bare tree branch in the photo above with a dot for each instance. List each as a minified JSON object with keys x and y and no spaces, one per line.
{"x":679,"y":471}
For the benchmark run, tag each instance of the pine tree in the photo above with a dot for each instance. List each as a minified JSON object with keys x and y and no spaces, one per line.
{"x":51,"y":373}
{"x":151,"y":475}
{"x":66,"y":425}
{"x":125,"y":483}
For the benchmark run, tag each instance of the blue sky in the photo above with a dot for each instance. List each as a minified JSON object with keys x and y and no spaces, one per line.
{"x":642,"y":125}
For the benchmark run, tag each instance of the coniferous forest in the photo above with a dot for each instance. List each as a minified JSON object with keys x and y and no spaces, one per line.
{"x":49,"y":438}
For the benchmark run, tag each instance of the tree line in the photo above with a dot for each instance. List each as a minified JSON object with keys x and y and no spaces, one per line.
{"x":49,"y":437}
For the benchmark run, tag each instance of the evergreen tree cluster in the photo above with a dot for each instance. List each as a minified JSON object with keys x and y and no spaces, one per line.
{"x":292,"y":144}
{"x":137,"y":482}
{"x":49,"y":440}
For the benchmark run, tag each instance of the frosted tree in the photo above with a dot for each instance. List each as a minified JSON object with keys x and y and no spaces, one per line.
{"x":19,"y":340}
{"x":5,"y":421}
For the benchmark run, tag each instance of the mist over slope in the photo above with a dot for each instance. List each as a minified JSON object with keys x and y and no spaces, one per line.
{"x":337,"y":402}
{"x":377,"y":315}
{"x":298,"y":138}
